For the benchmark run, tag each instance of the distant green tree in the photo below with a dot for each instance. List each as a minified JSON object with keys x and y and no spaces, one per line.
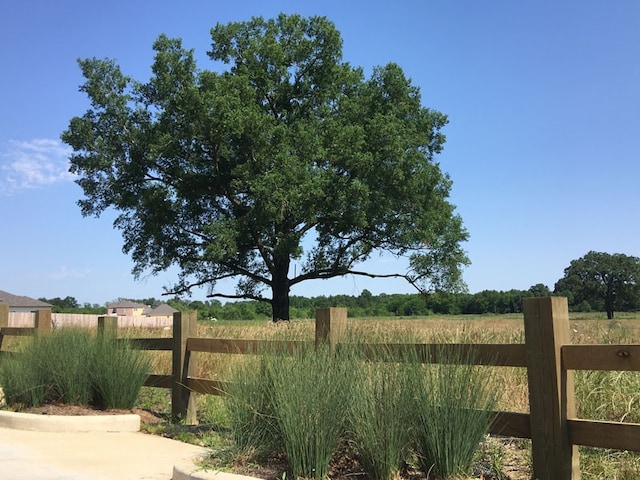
{"x":604,"y":281}
{"x":365,"y":299}
{"x":225,"y":174}
{"x":539,"y":290}
{"x":61,"y":304}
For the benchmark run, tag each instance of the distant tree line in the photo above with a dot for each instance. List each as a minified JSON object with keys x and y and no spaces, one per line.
{"x":364,"y":305}
{"x":597,"y":281}
{"x":71,"y":305}
{"x":368,"y":305}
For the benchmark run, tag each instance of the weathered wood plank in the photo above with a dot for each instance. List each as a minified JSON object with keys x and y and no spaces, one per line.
{"x":507,"y":355}
{"x":619,"y":436}
{"x":18,"y":331}
{"x":511,"y":424}
{"x":162,"y":381}
{"x":237,"y":346}
{"x":206,"y":386}
{"x":601,"y":357}
{"x":551,"y":392}
{"x":151,"y":343}
{"x":183,"y":365}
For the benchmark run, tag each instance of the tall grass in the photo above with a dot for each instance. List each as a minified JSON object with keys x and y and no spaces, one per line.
{"x":295,"y":401}
{"x":454,"y":401}
{"x":65,"y":357}
{"x":310,"y":393}
{"x":248,"y":400}
{"x":117,"y":373}
{"x":380,"y":415}
{"x":315,"y":399}
{"x":73,"y":366}
{"x":23,"y":378}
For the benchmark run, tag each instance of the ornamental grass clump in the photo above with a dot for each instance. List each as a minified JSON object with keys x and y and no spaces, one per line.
{"x":310,"y":394}
{"x":117,"y":373}
{"x":23,"y":381}
{"x":65,"y":359}
{"x":292,"y":401}
{"x":73,"y":366}
{"x":248,"y":400}
{"x":380,"y":415}
{"x":454,"y":404}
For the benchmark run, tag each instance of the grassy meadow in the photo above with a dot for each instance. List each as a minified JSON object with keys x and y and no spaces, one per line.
{"x":610,"y":396}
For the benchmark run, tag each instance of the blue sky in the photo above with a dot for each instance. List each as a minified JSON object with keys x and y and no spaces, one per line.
{"x":542,"y":146}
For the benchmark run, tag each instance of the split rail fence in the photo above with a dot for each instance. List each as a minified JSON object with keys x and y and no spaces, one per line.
{"x":547,"y":354}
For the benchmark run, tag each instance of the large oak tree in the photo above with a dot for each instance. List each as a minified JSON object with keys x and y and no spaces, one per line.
{"x":603,"y":281}
{"x":229,"y":173}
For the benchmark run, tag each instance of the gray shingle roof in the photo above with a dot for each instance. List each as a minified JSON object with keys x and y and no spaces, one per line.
{"x":22,"y":301}
{"x":162,"y":310}
{"x":125,"y":304}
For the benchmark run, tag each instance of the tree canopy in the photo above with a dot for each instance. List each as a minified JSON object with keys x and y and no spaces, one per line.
{"x":602,"y":281}
{"x":283,"y":165}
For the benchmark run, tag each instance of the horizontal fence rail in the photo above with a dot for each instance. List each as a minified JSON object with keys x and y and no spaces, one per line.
{"x":238,"y":346}
{"x":601,"y":357}
{"x":488,"y":354}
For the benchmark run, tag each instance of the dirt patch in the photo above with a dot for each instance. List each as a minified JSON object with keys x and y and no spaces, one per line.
{"x":513,"y":465}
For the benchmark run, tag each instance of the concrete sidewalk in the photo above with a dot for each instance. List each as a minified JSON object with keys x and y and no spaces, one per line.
{"x":30,"y":455}
{"x":97,"y":447}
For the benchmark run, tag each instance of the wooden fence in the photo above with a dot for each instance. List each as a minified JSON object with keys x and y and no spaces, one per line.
{"x":547,"y":353}
{"x":26,"y":319}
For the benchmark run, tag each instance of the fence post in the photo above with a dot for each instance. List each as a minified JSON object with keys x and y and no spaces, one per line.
{"x":42,"y":322}
{"x":107,"y":327}
{"x":4,"y":314}
{"x":551,"y":391}
{"x":183,"y":401}
{"x":4,"y":319}
{"x":331,"y":325}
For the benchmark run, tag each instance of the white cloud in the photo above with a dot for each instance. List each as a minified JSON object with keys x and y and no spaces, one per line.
{"x":65,"y":273}
{"x":33,"y":164}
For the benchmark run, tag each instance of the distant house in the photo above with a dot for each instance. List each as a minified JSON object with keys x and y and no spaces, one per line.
{"x":126,"y":308}
{"x":162,"y":310}
{"x":19,"y":303}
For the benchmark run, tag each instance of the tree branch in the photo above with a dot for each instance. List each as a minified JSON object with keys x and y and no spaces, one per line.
{"x":238,"y":297}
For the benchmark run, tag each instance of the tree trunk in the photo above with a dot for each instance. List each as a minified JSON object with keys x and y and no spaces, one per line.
{"x":280,"y":291}
{"x":608,"y":303}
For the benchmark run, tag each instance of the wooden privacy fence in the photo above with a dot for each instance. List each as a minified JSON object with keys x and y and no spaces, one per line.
{"x":547,"y":354}
{"x":26,"y":319}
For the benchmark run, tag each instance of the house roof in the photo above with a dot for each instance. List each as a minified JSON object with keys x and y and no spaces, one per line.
{"x":162,"y":310}
{"x":22,"y":301}
{"x":126,"y":304}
